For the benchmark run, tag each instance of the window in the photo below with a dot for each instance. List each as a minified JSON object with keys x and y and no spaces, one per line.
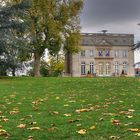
{"x":100,"y":53}
{"x":91,"y":53}
{"x":91,"y":66}
{"x":116,"y":67}
{"x":100,"y":69}
{"x":83,"y":68}
{"x":124,"y":53}
{"x":83,"y":53}
{"x":116,"y":53}
{"x":124,"y":67}
{"x":107,"y":69}
{"x":107,"y":53}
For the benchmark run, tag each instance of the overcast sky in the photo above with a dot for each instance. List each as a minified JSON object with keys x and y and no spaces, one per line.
{"x":116,"y":16}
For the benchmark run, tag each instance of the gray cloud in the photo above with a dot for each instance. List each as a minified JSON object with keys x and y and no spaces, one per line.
{"x":117,"y":16}
{"x":105,"y":12}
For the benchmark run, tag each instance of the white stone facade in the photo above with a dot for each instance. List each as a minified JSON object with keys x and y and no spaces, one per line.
{"x":102,"y":55}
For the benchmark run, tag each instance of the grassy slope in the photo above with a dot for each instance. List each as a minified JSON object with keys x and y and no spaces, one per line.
{"x":48,"y":99}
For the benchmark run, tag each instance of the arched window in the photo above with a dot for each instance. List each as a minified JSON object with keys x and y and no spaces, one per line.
{"x":108,"y":69}
{"x":116,"y":67}
{"x":83,"y":68}
{"x":91,"y":67}
{"x":124,"y":67}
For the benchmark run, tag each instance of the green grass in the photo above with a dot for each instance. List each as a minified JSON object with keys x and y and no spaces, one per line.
{"x":46,"y":100}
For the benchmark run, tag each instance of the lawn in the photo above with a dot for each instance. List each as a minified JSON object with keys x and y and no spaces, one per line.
{"x":69,"y":108}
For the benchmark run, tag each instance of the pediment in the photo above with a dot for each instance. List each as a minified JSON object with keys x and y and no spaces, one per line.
{"x":104,"y":43}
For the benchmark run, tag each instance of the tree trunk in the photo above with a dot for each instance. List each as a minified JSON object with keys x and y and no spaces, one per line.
{"x":13,"y":71}
{"x":37,"y":57}
{"x":68,"y":63}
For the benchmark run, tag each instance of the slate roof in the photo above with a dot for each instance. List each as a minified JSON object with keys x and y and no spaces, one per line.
{"x":106,"y":39}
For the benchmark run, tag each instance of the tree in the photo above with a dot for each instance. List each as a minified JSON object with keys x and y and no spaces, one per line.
{"x":12,"y":26}
{"x":56,"y":65}
{"x":55,"y":25}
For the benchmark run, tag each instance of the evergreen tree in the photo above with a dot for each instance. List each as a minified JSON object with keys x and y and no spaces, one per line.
{"x":11,"y":27}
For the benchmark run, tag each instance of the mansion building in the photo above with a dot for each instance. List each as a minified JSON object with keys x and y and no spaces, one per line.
{"x":102,"y":54}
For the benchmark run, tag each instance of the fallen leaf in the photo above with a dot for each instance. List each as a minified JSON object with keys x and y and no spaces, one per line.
{"x":35,"y":102}
{"x":21,"y":126}
{"x":129,"y":117}
{"x":131,"y":110}
{"x":28,"y":116}
{"x":116,"y":122}
{"x":114,"y":137}
{"x":22,"y":119}
{"x":54,"y":113}
{"x":125,"y":112}
{"x":13,"y":112}
{"x":92,"y":127}
{"x":78,"y":124}
{"x":83,"y":110}
{"x":72,"y":121}
{"x":34,"y":128}
{"x":82,"y":131}
{"x":66,"y":105}
{"x":52,"y":129}
{"x":5,"y":119}
{"x":108,"y":114}
{"x":30,"y":138}
{"x":101,"y":119}
{"x":67,"y":115}
{"x":72,"y":101}
{"x":57,"y":98}
{"x":32,"y":123}
{"x":137,"y":134}
{"x":3,"y":133}
{"x":133,"y":129}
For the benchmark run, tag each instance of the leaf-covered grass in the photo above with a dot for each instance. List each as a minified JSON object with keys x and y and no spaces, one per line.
{"x":69,"y":108}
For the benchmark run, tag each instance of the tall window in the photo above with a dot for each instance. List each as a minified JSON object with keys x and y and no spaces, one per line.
{"x":83,"y":53}
{"x":100,"y":69}
{"x":91,"y":53}
{"x":124,"y":67}
{"x":100,"y":52}
{"x":116,"y":53}
{"x":108,"y":69}
{"x":83,"y":68}
{"x":124,"y":54}
{"x":116,"y":67}
{"x":107,"y":53}
{"x":91,"y":66}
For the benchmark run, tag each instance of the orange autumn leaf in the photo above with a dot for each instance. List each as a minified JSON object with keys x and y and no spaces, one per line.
{"x":21,"y":126}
